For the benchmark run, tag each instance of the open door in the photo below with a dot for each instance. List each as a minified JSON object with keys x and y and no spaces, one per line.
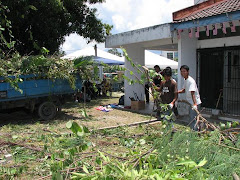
{"x":211,"y":63}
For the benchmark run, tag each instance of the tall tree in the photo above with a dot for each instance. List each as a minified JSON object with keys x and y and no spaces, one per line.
{"x":44,"y":23}
{"x":5,"y":26}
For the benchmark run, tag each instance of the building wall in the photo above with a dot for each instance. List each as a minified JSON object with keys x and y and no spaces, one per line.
{"x":220,"y":42}
{"x":136,"y":53}
{"x":174,"y":54}
{"x":187,"y":51}
{"x":187,"y":56}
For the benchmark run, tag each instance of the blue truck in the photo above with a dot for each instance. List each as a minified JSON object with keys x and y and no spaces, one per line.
{"x":38,"y":94}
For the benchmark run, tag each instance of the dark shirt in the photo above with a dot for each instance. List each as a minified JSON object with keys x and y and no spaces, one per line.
{"x":168,"y":89}
{"x":157,"y":81}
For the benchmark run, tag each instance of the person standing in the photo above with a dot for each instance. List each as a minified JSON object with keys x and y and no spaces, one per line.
{"x":192,"y":95}
{"x":168,"y":89}
{"x":147,"y":90}
{"x":106,"y":86}
{"x":158,"y":78}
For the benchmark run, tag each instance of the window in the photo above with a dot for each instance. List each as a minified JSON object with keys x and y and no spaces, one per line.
{"x":170,"y":55}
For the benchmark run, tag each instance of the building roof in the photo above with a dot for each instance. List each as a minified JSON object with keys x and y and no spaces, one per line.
{"x":206,"y":9}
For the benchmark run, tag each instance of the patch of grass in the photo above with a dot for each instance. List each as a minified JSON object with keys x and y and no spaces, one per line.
{"x":59,"y":144}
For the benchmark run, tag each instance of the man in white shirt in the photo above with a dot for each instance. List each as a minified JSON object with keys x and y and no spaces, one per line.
{"x":192,"y":94}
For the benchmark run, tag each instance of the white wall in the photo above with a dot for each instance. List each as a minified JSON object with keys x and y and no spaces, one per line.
{"x":164,"y":54}
{"x":187,"y":56}
{"x":219,"y":42}
{"x":136,"y":53}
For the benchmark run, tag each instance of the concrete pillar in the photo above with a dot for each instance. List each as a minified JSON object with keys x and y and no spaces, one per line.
{"x":136,"y":53}
{"x":187,"y":55}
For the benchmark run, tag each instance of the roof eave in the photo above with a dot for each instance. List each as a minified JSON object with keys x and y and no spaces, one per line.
{"x":226,"y":17}
{"x":152,"y":33}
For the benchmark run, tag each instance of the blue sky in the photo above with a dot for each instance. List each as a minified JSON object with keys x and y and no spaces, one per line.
{"x":126,"y":15}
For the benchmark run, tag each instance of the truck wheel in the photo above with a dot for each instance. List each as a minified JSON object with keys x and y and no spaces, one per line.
{"x":58,"y":105}
{"x":47,"y":110}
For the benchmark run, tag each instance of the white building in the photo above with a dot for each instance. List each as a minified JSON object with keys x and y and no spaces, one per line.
{"x":170,"y":54}
{"x":207,"y":38}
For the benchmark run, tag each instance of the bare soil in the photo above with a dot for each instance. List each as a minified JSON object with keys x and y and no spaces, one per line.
{"x":73,"y":111}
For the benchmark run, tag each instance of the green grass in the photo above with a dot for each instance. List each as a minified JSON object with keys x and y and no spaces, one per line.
{"x":50,"y":149}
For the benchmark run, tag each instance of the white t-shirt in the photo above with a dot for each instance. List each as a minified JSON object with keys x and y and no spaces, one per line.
{"x":190,"y":85}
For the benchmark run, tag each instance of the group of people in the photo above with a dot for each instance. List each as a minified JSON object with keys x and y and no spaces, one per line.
{"x":100,"y":89}
{"x":169,"y":92}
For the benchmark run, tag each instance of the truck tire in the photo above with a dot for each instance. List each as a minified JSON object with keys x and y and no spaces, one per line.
{"x":47,"y":110}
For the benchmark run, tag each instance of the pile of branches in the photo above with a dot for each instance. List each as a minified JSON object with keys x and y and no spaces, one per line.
{"x":48,"y":67}
{"x":203,"y":125}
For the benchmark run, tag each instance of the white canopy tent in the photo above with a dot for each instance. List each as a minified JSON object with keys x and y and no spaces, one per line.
{"x":97,"y":55}
{"x":90,"y":51}
{"x":152,"y":59}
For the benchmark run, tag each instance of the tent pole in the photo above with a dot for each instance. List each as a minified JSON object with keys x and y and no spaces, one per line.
{"x":95,"y":48}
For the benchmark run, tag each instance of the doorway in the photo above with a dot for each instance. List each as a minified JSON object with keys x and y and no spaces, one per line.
{"x":211,"y":73}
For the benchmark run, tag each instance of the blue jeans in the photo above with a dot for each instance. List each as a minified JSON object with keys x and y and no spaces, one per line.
{"x":193,"y":118}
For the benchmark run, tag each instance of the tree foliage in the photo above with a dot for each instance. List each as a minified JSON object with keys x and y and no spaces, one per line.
{"x":44,"y":23}
{"x":115,"y":52}
{"x":5,"y":26}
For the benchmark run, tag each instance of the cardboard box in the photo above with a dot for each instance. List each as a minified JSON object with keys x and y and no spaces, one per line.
{"x":137,"y":105}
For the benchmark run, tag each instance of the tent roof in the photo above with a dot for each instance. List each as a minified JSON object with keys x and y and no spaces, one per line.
{"x":89,"y":51}
{"x":108,"y":61}
{"x":152,"y":59}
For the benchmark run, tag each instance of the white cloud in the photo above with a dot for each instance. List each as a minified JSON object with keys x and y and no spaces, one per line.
{"x":118,"y":20}
{"x":127,"y":15}
{"x":153,"y":12}
{"x":118,"y":6}
{"x":74,"y":42}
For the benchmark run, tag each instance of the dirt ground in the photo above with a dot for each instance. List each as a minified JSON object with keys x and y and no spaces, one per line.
{"x":25,"y":137}
{"x":73,"y":111}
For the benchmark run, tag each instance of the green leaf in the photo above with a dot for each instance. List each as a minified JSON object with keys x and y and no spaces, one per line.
{"x":78,"y":174}
{"x":187,"y":163}
{"x":14,"y":136}
{"x":102,"y":156}
{"x":142,"y":141}
{"x":44,"y":50}
{"x":85,"y":169}
{"x":98,"y":160}
{"x":235,"y":123}
{"x":85,"y":129}
{"x":84,"y":113}
{"x":69,"y":124}
{"x":143,"y":76}
{"x":229,"y":124}
{"x":32,"y":7}
{"x":202,"y":163}
{"x":222,"y":126}
{"x":84,"y":147}
{"x":80,"y":134}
